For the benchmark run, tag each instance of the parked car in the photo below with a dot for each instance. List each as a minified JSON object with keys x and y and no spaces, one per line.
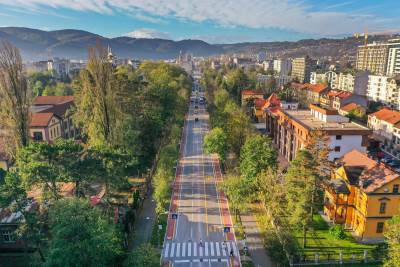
{"x":196,"y":119}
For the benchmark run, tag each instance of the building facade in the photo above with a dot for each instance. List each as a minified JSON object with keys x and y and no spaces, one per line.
{"x":301,"y":69}
{"x":362,"y":194}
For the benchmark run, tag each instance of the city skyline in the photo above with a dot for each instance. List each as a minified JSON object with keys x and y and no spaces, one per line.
{"x":224,"y":21}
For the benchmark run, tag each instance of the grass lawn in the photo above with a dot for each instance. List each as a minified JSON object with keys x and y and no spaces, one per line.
{"x":322,"y":242}
{"x":157,"y":236}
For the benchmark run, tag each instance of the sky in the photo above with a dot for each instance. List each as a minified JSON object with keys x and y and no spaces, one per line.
{"x":214,"y":21}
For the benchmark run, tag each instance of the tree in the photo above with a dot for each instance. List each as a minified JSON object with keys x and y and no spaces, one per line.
{"x":319,"y":146}
{"x":256,"y":156}
{"x":81,"y":236}
{"x":144,"y":256}
{"x":392,"y":234}
{"x":301,"y":183}
{"x":216,"y":142}
{"x":15,"y":97}
{"x":96,"y":99}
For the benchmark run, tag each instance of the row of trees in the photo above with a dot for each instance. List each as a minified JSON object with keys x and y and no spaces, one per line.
{"x":124,"y":116}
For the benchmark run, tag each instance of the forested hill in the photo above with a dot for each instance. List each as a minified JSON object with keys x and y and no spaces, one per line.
{"x":42,"y":45}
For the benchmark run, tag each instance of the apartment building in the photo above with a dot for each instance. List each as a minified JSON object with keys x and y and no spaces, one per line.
{"x":282,"y":66}
{"x":380,"y":58}
{"x":301,"y":69}
{"x":292,"y":129}
{"x":362,"y":194}
{"x":356,"y":83}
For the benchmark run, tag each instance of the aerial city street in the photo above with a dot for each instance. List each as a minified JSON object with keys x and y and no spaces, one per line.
{"x":175,"y":133}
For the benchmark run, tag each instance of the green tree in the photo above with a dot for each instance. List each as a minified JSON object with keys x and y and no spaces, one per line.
{"x":144,"y":256}
{"x":80,"y":236}
{"x":15,"y":97}
{"x":256,"y":156}
{"x":392,"y":234}
{"x":216,"y":142}
{"x":237,"y":80}
{"x":301,"y":182}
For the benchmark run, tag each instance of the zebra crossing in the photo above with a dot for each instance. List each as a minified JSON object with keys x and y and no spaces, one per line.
{"x":189,"y":250}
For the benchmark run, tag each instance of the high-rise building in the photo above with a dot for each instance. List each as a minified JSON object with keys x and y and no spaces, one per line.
{"x":282,"y":66}
{"x":379,"y":58}
{"x":301,"y":69}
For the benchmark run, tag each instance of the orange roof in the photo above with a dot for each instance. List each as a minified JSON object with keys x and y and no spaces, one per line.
{"x":374,"y":175}
{"x":351,"y":106}
{"x":316,"y":88}
{"x":251,"y":92}
{"x":259,"y":103}
{"x":387,"y":115}
{"x":52,"y":100}
{"x":40,"y":119}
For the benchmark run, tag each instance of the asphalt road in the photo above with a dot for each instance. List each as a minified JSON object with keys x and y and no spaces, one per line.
{"x":196,"y":233}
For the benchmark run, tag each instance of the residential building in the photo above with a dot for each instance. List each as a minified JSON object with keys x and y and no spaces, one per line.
{"x":355,"y":83}
{"x":250,"y":95}
{"x":362,"y":194}
{"x":385,"y":124}
{"x":393,"y":66}
{"x":264,"y":78}
{"x":282,"y":80}
{"x":316,"y":77}
{"x":379,"y":58}
{"x":282,"y":66}
{"x":301,"y":69}
{"x":393,"y":86}
{"x":292,"y":130}
{"x":378,"y":90}
{"x":61,"y":67}
{"x":346,"y":109}
{"x":337,"y":99}
{"x":268,"y":65}
{"x":51,"y":118}
{"x":315,"y":91}
{"x":257,"y":111}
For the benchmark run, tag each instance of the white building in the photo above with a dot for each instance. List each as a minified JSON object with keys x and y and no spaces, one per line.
{"x":378,"y":89}
{"x":316,"y":78}
{"x":356,"y":84}
{"x":393,"y":66}
{"x":282,"y":66}
{"x":268,"y":65}
{"x":282,"y":80}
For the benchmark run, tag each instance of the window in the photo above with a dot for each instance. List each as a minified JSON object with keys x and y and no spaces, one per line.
{"x":395,"y":188}
{"x":337,"y":148}
{"x":379,"y":227}
{"x":37,"y":136}
{"x":382,"y":207}
{"x":338,"y":137}
{"x":8,"y":237}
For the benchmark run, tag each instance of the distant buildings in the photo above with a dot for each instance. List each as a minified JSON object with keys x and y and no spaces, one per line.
{"x":282,"y":66}
{"x":301,"y":69}
{"x":380,"y":58}
{"x":384,"y":89}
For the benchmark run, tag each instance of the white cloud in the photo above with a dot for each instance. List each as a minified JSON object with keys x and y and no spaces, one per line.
{"x":148,"y":33}
{"x":294,"y":15}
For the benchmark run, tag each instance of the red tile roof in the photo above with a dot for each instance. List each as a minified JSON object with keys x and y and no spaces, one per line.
{"x":340,"y":94}
{"x":316,"y":88}
{"x":374,"y":175}
{"x":41,"y":119}
{"x":351,"y":106}
{"x":52,"y":100}
{"x":388,"y":115}
{"x":273,"y":103}
{"x":251,"y":92}
{"x":259,"y":103}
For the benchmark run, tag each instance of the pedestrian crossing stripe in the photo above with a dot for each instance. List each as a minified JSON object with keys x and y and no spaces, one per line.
{"x":193,"y":250}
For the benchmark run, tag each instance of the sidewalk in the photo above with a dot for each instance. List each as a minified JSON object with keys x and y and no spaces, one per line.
{"x":254,"y":241}
{"x":144,"y":222}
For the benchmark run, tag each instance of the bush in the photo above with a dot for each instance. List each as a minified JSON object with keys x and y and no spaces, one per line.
{"x":337,"y":232}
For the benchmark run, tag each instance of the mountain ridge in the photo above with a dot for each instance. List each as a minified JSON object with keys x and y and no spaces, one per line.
{"x":37,"y":44}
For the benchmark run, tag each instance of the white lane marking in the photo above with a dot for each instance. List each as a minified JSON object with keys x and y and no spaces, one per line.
{"x":178,"y":250}
{"x":217,"y":249}
{"x":228,"y":244}
{"x":172,"y":254}
{"x":201,"y":252}
{"x":195,"y":249}
{"x":181,"y":261}
{"x":212,"y":248}
{"x":166,"y":250}
{"x":183,"y":249}
{"x":234,"y":249}
{"x":206,"y":249}
{"x":189,"y":249}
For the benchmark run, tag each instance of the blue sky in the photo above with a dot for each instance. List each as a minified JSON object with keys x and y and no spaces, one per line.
{"x":215,"y":21}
